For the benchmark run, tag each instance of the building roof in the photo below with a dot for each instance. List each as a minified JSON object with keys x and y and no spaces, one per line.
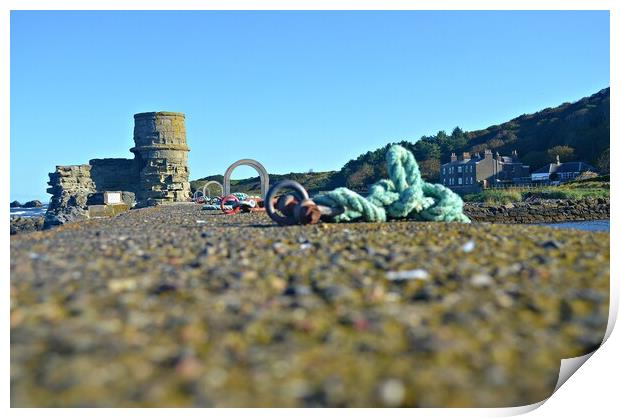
{"x":467,"y":161}
{"x":570,"y":167}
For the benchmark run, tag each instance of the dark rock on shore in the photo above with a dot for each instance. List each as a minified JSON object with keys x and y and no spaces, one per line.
{"x":540,"y":211}
{"x":33,"y":204}
{"x":16,"y":204}
{"x":63,"y":215}
{"x":21,"y":225}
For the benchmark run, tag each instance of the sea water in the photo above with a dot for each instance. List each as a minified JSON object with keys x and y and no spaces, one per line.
{"x":29,"y":212}
{"x":601,"y":225}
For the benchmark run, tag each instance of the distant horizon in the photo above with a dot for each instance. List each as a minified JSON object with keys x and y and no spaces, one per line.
{"x":294,"y":90}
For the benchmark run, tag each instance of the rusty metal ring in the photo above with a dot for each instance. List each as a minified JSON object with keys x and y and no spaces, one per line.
{"x":235,"y":209}
{"x":299,"y":191}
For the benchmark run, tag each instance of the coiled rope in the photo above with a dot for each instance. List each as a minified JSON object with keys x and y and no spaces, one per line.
{"x":404,"y":195}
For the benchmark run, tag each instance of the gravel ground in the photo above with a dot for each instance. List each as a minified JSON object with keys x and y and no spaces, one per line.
{"x":174,"y":306}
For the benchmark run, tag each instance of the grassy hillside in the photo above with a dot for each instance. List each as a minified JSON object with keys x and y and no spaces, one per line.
{"x":313,"y":182}
{"x":576,"y":131}
{"x":579,"y":189}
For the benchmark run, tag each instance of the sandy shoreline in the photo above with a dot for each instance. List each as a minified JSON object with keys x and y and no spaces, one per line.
{"x":174,"y":306}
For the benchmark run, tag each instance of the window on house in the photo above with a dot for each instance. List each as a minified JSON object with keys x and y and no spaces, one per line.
{"x":460,"y":181}
{"x":459,"y":169}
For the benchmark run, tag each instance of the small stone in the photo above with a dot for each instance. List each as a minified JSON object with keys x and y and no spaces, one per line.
{"x":297,"y":290}
{"x":416,"y":274}
{"x":392,"y":392}
{"x":164,"y":288}
{"x":468,"y":246}
{"x":279,"y":248}
{"x":481,"y":280}
{"x":121,"y":285}
{"x":552,"y":244}
{"x":189,"y":367}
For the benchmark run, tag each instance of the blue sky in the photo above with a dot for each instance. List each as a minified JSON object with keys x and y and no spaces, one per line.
{"x":295,"y":90}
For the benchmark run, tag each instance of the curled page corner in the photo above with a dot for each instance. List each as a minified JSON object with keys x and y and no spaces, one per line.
{"x":568,"y":367}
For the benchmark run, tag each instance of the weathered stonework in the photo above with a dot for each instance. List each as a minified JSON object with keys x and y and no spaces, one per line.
{"x":157,"y":174}
{"x":115,"y":174}
{"x":161,"y":154}
{"x":70,"y":184}
{"x":70,"y":187}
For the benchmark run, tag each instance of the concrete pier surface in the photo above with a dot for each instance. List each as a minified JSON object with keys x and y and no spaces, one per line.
{"x":176,"y":306}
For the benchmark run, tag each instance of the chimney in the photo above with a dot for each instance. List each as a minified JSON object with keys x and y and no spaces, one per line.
{"x":557,"y":159}
{"x":488,"y":153}
{"x":453,"y":158}
{"x":514,"y":154}
{"x":466,"y":156}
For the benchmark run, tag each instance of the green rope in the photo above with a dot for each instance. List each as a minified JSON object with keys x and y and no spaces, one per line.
{"x":404,"y":195}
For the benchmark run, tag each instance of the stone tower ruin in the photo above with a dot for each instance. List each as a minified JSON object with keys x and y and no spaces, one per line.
{"x":157,"y":174}
{"x":161,"y":157}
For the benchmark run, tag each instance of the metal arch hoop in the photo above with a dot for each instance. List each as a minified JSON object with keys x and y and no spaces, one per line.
{"x":262,"y":172}
{"x":205,"y":188}
{"x":300,"y":192}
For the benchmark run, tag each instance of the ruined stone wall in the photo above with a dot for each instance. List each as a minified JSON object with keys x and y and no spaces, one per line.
{"x":115,"y":174}
{"x":70,"y":186}
{"x":161,"y":155}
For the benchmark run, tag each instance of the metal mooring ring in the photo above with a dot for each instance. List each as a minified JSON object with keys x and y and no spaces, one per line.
{"x":234,"y":210}
{"x":299,"y":191}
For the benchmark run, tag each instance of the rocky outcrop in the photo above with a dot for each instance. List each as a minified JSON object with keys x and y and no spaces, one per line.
{"x":20,"y":225}
{"x":33,"y":204}
{"x":16,"y":204}
{"x":70,"y":187}
{"x":539,"y":211}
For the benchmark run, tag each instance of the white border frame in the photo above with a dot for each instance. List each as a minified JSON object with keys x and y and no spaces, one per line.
{"x":592,"y":391}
